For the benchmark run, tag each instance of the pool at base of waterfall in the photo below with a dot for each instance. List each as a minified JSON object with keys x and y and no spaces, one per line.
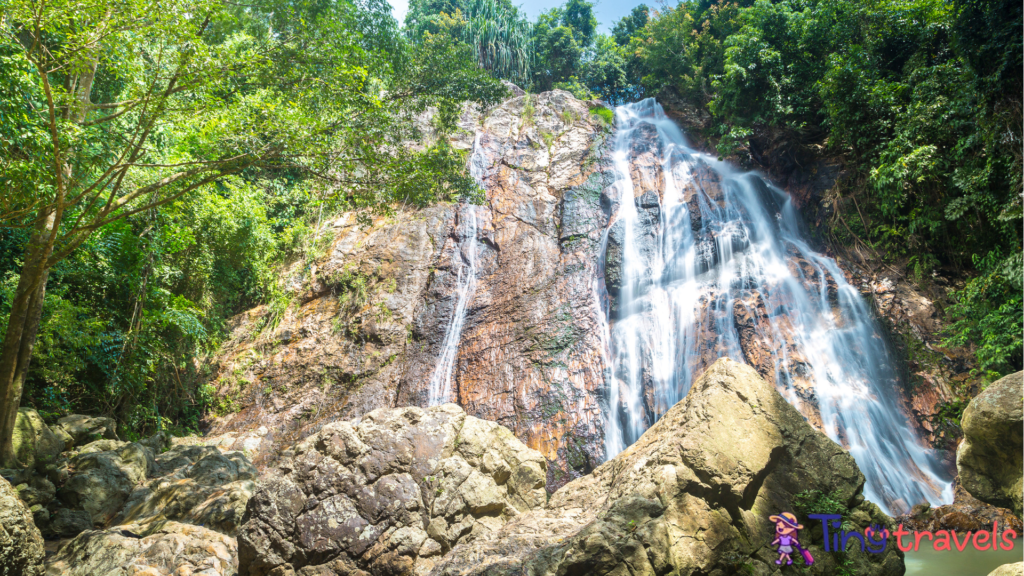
{"x":969,"y":562}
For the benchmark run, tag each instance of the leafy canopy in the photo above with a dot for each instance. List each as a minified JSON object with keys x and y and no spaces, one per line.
{"x":183,"y":149}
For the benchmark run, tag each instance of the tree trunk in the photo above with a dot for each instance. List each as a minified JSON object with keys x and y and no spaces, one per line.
{"x":22,"y":328}
{"x":27,"y":308}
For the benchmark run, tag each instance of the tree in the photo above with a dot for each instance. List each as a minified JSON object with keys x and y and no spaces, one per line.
{"x":497,"y":31}
{"x":628,"y":26}
{"x":578,"y":16}
{"x":561,"y":37}
{"x":611,"y":71}
{"x":120,"y":109}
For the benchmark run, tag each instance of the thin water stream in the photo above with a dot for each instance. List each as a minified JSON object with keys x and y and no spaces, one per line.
{"x":465,"y":261}
{"x":713,"y":245}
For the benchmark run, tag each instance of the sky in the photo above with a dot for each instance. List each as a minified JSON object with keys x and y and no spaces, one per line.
{"x":608,"y":12}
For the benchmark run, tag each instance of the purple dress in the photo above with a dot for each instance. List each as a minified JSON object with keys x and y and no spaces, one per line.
{"x":785,"y":545}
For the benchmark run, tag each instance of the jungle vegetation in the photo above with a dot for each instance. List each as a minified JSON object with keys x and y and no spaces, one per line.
{"x":160,"y":160}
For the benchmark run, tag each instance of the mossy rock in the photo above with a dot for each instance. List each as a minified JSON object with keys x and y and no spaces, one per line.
{"x":34,"y":442}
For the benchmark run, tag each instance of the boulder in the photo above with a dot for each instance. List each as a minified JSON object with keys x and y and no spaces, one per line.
{"x":21,"y":544}
{"x":196,"y":484}
{"x":104,"y":480}
{"x":160,"y":549}
{"x":1009,"y":570}
{"x":388,"y":493}
{"x":692,"y":496}
{"x":102,"y":445}
{"x":34,"y":442}
{"x":989,"y":458}
{"x":158,"y":443}
{"x":83,"y":429}
{"x":66,"y":523}
{"x":36,"y":490}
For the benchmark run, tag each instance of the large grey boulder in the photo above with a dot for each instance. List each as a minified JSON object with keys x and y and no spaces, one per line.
{"x":194,"y":484}
{"x":79,"y":429}
{"x":388,"y":494}
{"x":21,"y":544}
{"x":34,"y":442}
{"x":104,"y":480}
{"x":159,"y":549}
{"x":692,"y":496}
{"x":989,"y":458}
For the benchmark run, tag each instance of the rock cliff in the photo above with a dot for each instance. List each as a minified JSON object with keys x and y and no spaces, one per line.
{"x":367,"y":319}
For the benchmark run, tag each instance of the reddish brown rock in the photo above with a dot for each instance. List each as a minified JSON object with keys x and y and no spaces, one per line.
{"x":964,"y":514}
{"x":366,"y":319}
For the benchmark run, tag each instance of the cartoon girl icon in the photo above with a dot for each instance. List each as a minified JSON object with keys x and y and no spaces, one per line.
{"x":786,"y":538}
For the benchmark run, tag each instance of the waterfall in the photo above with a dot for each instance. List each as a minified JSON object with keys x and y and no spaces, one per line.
{"x":701,"y":262}
{"x":465,"y":261}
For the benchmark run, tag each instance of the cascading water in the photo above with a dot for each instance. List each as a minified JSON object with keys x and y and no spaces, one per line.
{"x":440,"y":390}
{"x":694,"y":246}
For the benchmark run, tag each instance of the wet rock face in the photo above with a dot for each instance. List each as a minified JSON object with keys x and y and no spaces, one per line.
{"x":21,"y":544}
{"x":370,"y":315}
{"x":388,"y":494}
{"x":965,"y":514}
{"x":932,"y":371}
{"x":766,"y":339}
{"x":989,"y":458}
{"x":718,"y":464}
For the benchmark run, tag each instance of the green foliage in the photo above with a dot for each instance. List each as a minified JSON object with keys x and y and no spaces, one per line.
{"x":499,"y":34}
{"x":683,"y":48}
{"x":988,"y":314}
{"x":206,"y":149}
{"x":953,"y":410}
{"x":561,"y":38}
{"x":628,"y":26}
{"x":611,"y":71}
{"x":126,"y":315}
{"x":607,"y":115}
{"x":818,"y":502}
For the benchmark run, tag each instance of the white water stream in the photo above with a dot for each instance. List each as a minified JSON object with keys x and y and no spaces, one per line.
{"x":678,"y":295}
{"x":465,"y":261}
